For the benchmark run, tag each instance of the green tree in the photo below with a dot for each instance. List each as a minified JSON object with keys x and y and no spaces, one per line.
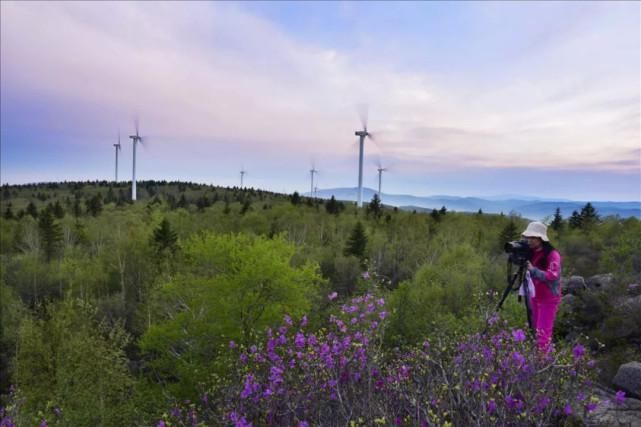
{"x":374,"y":207}
{"x":230,"y":287}
{"x":356,"y":242}
{"x":8,"y":213}
{"x":50,"y":234}
{"x":94,"y":205}
{"x":32,"y":210}
{"x":575,"y":220}
{"x":69,"y":359}
{"x":165,"y":239}
{"x":295,"y":198}
{"x":508,"y":234}
{"x":589,"y":216}
{"x":333,"y":206}
{"x":443,"y":210}
{"x":557,"y":222}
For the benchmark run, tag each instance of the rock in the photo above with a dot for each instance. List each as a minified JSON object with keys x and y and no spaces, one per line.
{"x":634,"y":289}
{"x":608,"y":413}
{"x":600,"y":281}
{"x":628,"y":379}
{"x":573,"y":285}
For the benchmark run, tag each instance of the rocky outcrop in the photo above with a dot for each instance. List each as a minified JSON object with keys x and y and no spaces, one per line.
{"x":612,"y":413}
{"x":600,"y":281}
{"x":573,"y":285}
{"x":628,"y":379}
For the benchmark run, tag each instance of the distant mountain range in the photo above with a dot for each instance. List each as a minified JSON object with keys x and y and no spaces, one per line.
{"x":528,"y":207}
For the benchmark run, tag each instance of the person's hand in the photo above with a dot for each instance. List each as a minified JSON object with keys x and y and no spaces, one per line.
{"x":529,"y":266}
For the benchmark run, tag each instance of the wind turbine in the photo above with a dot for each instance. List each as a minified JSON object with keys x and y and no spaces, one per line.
{"x":242,"y":176}
{"x":362,"y":134}
{"x":380,"y":169}
{"x":118,"y":148}
{"x":312,"y":172}
{"x":134,"y":139}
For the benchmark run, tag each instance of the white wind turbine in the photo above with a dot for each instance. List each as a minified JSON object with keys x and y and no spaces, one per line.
{"x":362,"y":134}
{"x":312,"y":172}
{"x":243,"y":172}
{"x":380,"y":169}
{"x":135,"y":139}
{"x":118,"y":148}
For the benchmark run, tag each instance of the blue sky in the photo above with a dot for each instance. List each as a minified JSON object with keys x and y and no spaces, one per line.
{"x":465,"y":98}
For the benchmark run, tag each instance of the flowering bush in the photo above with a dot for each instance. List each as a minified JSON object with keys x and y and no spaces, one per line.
{"x":341,"y":376}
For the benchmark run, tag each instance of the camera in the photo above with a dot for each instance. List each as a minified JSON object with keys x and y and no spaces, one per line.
{"x":519,"y":251}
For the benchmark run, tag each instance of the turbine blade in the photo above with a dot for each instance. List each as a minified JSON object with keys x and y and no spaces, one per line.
{"x":363,"y":114}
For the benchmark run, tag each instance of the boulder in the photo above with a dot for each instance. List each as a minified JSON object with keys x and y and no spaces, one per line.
{"x":600,"y":281}
{"x":628,"y":379}
{"x":609,"y":413}
{"x":573,"y":284}
{"x":634,"y":289}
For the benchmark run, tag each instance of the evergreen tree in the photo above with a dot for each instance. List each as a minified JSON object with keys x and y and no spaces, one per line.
{"x":50,"y":234}
{"x":111,"y":197}
{"x":332,"y":206}
{"x":374,"y":207}
{"x":94,"y":205}
{"x":575,"y":220}
{"x":435,"y":215}
{"x":508,"y":234}
{"x":8,"y":214}
{"x":357,"y":242}
{"x":295,"y":198}
{"x":164,"y":238}
{"x":443,"y":210}
{"x":589,"y":216}
{"x":202,"y":203}
{"x":57,"y":210}
{"x":32,"y":210}
{"x":246,"y":206}
{"x":182,"y":202}
{"x":480,"y":212}
{"x":557,"y":222}
{"x":77,"y":208}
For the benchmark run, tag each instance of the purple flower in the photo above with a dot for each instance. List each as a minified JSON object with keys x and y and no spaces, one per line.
{"x":288,"y":320}
{"x":232,"y":344}
{"x":491,"y":406}
{"x":366,"y":275}
{"x":332,"y":296}
{"x":619,"y":398}
{"x":303,"y":321}
{"x":578,"y":351}
{"x":590,"y":407}
{"x":57,"y":412}
{"x":161,"y":423}
{"x":382,"y":314}
{"x":43,"y":423}
{"x":567,"y":410}
{"x":303,"y":424}
{"x":300,"y":340}
{"x":518,"y":358}
{"x":518,"y":335}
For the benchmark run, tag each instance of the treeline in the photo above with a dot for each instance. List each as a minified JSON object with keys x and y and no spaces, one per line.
{"x":141,"y":300}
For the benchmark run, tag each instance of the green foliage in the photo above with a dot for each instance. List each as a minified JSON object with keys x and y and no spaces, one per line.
{"x":557,"y":222}
{"x":230,"y":286}
{"x":375,"y":207}
{"x":357,"y":242}
{"x":66,"y":357}
{"x":165,"y":239}
{"x":508,"y":234}
{"x":440,"y":297}
{"x":50,"y":234}
{"x":295,"y":198}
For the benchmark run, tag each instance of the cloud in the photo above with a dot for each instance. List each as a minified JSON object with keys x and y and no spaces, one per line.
{"x":213,"y":80}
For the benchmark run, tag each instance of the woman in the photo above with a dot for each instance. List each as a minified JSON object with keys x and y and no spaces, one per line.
{"x":545,"y":269}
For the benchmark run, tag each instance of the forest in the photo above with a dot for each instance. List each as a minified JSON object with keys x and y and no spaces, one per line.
{"x":203,"y":305}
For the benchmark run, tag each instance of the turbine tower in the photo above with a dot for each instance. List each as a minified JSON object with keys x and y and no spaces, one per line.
{"x":312,"y":172}
{"x":380,"y":169}
{"x":362,"y":134}
{"x":118,"y":148}
{"x":134,"y":139}
{"x":242,"y":177}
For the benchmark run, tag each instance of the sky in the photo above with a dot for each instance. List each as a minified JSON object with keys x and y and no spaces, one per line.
{"x":463,"y":98}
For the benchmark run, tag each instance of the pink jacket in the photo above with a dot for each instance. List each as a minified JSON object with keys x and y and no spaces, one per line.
{"x":547,"y":281}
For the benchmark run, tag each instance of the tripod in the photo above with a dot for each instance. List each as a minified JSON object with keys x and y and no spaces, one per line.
{"x":517,"y":278}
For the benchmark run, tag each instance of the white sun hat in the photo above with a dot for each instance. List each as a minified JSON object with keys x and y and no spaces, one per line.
{"x":536,"y":229}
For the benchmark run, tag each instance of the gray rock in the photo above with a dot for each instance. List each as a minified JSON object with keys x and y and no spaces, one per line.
{"x":628,"y":379}
{"x":600,"y":281}
{"x":608,"y":413}
{"x":634,"y":289}
{"x":573,"y":284}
